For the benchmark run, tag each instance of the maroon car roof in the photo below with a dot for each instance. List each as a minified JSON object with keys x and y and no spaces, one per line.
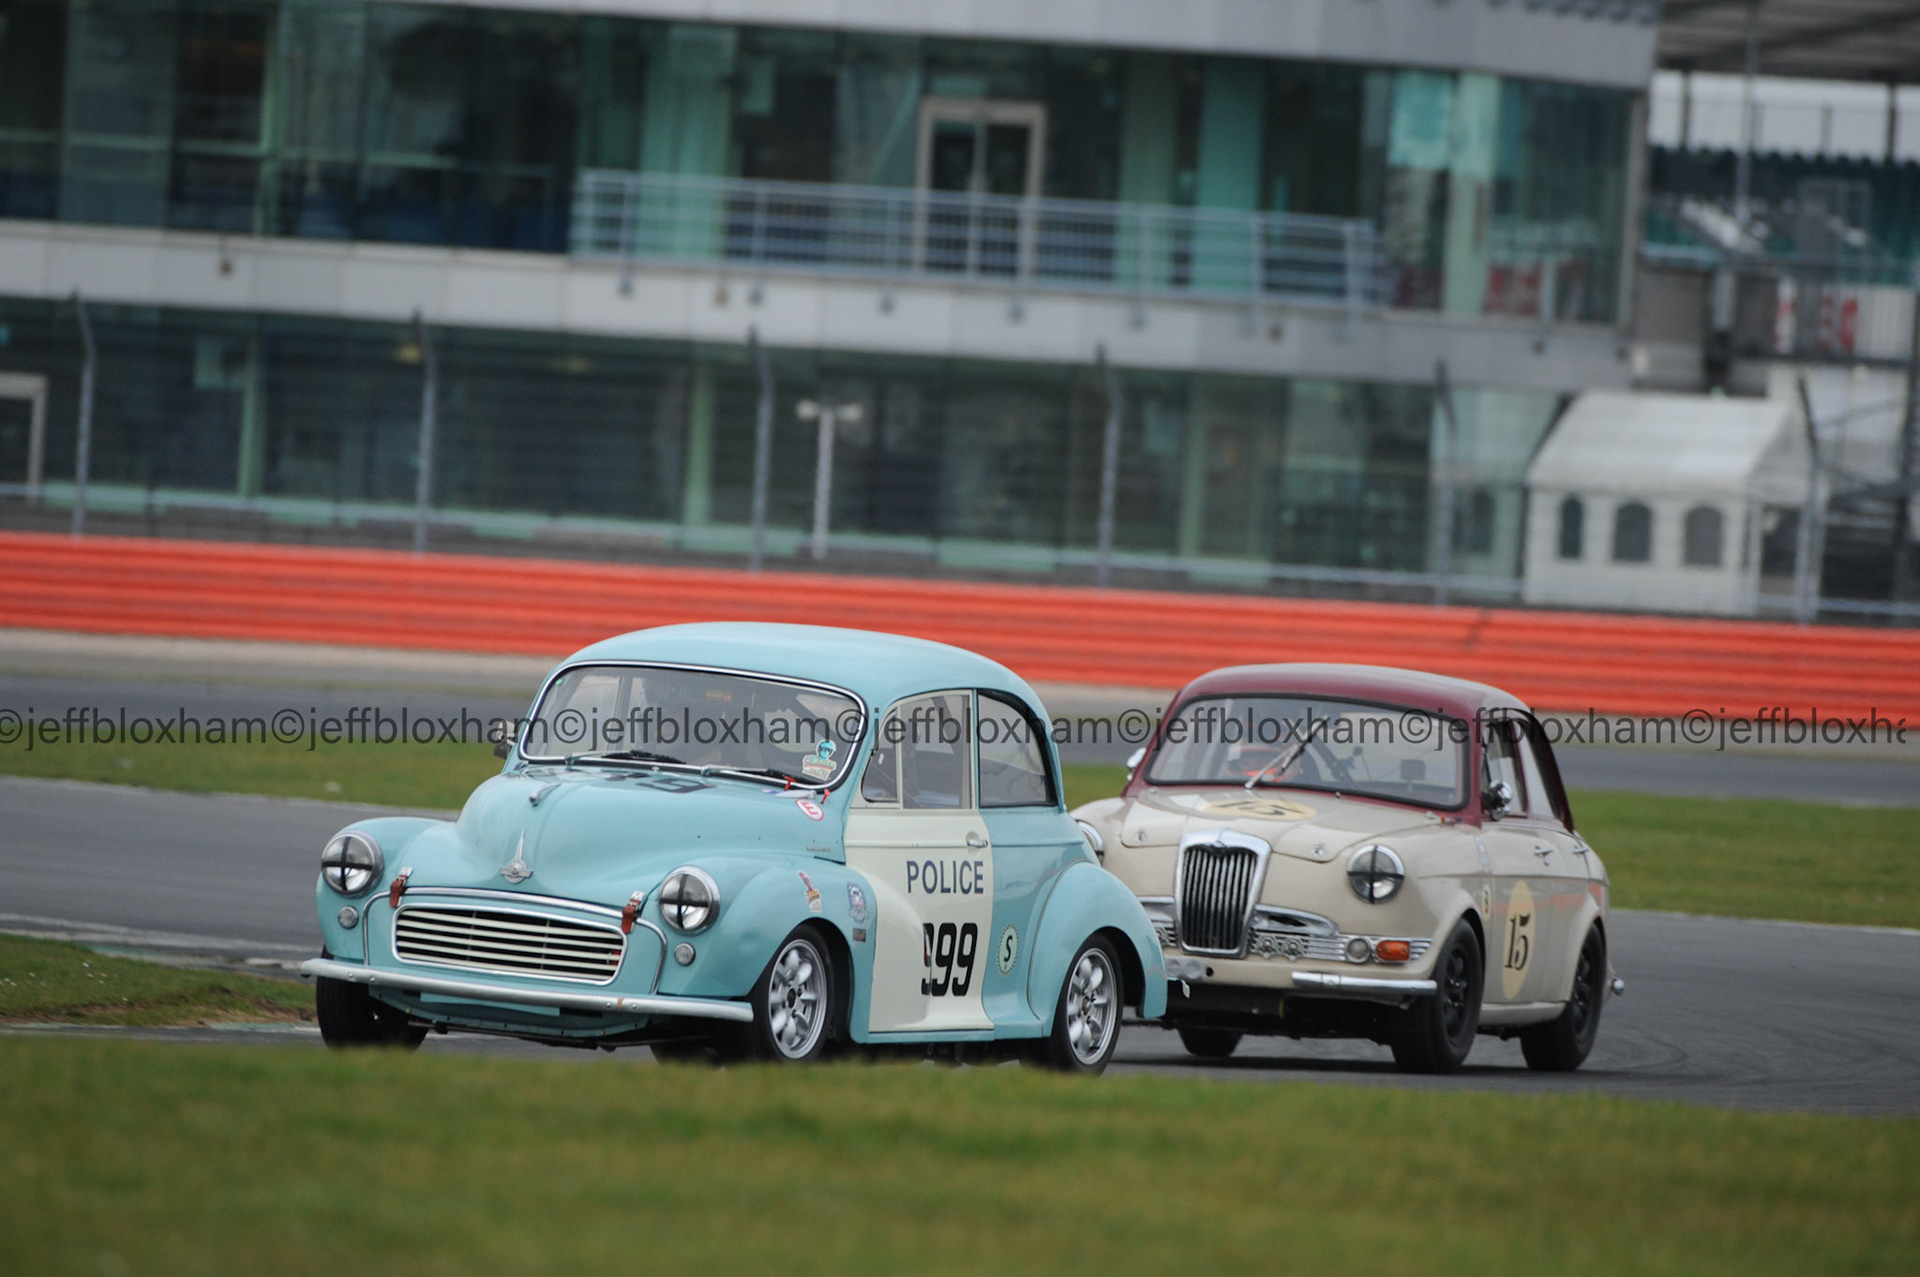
{"x":1411,"y":689}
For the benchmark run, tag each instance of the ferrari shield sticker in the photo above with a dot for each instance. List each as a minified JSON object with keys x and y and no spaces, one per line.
{"x":1008,"y":950}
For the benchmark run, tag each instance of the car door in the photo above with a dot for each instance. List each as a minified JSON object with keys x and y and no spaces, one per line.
{"x":1566,"y":859}
{"x":1033,"y":843}
{"x":916,"y":832}
{"x":1525,"y":934}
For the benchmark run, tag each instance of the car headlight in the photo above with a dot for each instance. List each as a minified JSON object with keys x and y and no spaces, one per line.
{"x":1375,"y":874}
{"x":1094,"y":841}
{"x":351,"y":863}
{"x":689,"y":900}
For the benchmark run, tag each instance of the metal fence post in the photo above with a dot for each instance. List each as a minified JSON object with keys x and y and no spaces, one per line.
{"x":1443,"y":513}
{"x":429,"y":397}
{"x":83,"y":445}
{"x":762,"y":447}
{"x":1109,"y":465}
{"x":1810,"y":547}
{"x":1909,"y":424}
{"x":1350,"y":258}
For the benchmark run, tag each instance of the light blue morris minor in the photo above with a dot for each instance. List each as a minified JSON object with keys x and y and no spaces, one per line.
{"x":746,"y":841}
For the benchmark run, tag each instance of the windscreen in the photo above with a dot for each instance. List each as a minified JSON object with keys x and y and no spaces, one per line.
{"x":1303,"y":742}
{"x":696,"y":718}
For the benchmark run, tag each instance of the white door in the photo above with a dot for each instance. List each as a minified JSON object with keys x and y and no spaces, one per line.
{"x":1531,"y":906}
{"x":915,"y":831}
{"x":971,"y":151}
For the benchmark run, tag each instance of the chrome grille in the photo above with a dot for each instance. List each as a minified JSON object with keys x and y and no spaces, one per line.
{"x":508,"y":942}
{"x":1216,"y":888}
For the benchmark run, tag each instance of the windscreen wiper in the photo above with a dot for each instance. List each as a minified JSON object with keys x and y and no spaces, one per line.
{"x":632,"y":756}
{"x":771,"y":773}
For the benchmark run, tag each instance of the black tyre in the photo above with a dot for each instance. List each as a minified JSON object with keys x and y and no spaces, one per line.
{"x":1435,"y":1033}
{"x":1561,"y":1044}
{"x":1086,"y":1019}
{"x":794,"y":1003}
{"x":1209,"y":1044}
{"x":350,"y":1017}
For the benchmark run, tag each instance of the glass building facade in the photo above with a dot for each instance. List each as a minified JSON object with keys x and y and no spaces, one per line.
{"x":319,"y":420}
{"x":469,"y":126}
{"x":466,"y":126}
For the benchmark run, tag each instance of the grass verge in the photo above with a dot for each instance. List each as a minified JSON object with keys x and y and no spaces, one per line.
{"x":138,"y":1158}
{"x":438,"y":775}
{"x":50,"y":981}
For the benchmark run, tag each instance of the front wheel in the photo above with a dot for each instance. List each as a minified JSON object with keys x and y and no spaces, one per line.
{"x":1435,"y":1033}
{"x":1086,"y":1020}
{"x":1561,"y":1044}
{"x":350,"y":1017}
{"x":793,"y":1003}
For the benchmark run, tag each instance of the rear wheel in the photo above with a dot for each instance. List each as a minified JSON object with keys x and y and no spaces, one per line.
{"x":793,"y":1002}
{"x":350,"y":1017}
{"x":1561,"y":1044}
{"x":1209,"y":1044}
{"x":1435,"y":1033}
{"x":1086,"y":1020}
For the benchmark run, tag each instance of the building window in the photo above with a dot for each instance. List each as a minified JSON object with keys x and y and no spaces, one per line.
{"x":1704,"y":537}
{"x":1573,"y":528}
{"x":1632,"y":533}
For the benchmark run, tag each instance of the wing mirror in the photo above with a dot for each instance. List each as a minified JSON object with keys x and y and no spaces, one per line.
{"x":1497,"y":799}
{"x":1134,"y":760}
{"x":501,"y":732}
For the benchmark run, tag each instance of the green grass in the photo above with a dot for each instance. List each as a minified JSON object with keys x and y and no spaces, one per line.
{"x":139,"y":1158}
{"x":439,"y":775}
{"x":1737,"y":857}
{"x":1740,"y":858}
{"x":50,"y":981}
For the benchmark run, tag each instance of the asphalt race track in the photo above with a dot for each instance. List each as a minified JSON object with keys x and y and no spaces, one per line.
{"x":1717,"y":1011}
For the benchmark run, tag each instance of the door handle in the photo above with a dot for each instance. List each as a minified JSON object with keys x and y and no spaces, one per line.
{"x":975,"y":840}
{"x":1543,"y":852}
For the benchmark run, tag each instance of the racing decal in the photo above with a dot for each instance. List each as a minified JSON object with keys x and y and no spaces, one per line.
{"x":1486,"y":900}
{"x":950,"y":952}
{"x":813,"y":893}
{"x":1516,"y":940}
{"x":856,"y":905}
{"x":819,"y":764}
{"x":1008,"y":950}
{"x":946,"y":877}
{"x":1241,"y":803}
{"x":809,"y":807}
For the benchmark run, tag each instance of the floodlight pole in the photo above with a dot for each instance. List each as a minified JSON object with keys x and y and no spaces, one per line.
{"x":429,"y":398}
{"x":762,"y":448}
{"x":1109,"y":466}
{"x":829,"y":415}
{"x":83,"y":444}
{"x":1443,"y":498}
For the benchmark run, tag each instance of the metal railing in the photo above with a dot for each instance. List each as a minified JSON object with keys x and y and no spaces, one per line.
{"x":892,"y":234}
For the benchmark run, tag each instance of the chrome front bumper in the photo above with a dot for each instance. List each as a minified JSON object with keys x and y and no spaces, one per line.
{"x":479,"y":991}
{"x":1362,"y":984}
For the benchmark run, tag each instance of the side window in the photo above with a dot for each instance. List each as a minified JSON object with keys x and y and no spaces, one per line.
{"x":1503,"y":759}
{"x":928,"y":736}
{"x":1013,"y":761}
{"x":1540,"y":796}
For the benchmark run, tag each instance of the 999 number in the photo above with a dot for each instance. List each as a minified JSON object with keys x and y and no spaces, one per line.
{"x":949,"y":952}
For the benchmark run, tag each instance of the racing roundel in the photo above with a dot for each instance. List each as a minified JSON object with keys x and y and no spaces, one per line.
{"x":810,"y":807}
{"x":1516,"y":940}
{"x":1008,"y":950}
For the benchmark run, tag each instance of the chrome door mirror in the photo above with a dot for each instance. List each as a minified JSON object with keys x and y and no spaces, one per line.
{"x":1497,"y":799}
{"x":501,"y":732}
{"x":1134,"y":759}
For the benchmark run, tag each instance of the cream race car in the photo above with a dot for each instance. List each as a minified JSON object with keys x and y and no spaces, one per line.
{"x":1353,"y":851}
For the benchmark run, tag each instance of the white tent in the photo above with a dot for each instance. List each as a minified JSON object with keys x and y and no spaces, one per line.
{"x":1680,"y":503}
